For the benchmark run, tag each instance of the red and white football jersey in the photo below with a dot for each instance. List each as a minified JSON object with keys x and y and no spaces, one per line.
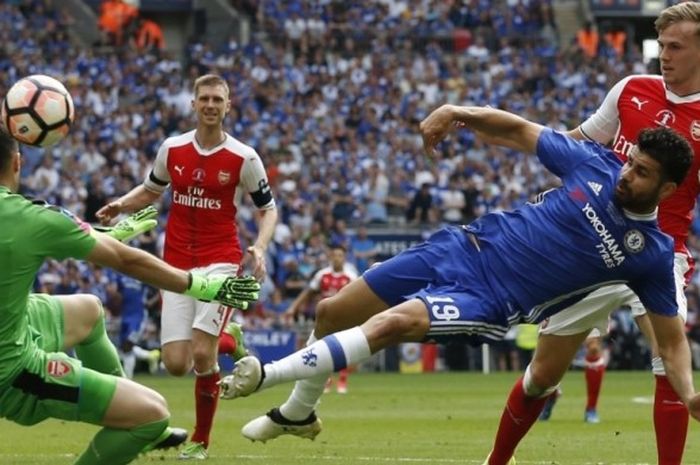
{"x":201,"y":227}
{"x":328,"y":282}
{"x":642,"y":101}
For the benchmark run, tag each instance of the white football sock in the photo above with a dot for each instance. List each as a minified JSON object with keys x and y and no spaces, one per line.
{"x":129,"y":362}
{"x":332,"y":353}
{"x":305,"y":395}
{"x":141,"y":353}
{"x":304,"y":398}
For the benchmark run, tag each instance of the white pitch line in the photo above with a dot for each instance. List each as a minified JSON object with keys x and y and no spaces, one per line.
{"x":335,"y":459}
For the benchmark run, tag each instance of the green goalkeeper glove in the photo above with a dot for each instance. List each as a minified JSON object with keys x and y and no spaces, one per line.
{"x":133,"y":225}
{"x":231,"y":291}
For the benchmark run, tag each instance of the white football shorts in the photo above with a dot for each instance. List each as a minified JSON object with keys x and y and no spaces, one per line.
{"x":592,"y":313}
{"x":181,"y":313}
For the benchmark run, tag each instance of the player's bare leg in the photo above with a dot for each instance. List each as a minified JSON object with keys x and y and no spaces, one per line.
{"x":84,"y":331}
{"x":549,"y":364}
{"x":136,"y":418}
{"x":352,"y":306}
{"x":199,"y":354}
{"x":670,"y":414}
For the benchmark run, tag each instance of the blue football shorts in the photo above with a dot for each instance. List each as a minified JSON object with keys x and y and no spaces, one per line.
{"x":445,"y":273}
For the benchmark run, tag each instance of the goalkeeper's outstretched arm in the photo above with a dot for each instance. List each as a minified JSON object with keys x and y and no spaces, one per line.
{"x":231,"y":291}
{"x":133,"y":225}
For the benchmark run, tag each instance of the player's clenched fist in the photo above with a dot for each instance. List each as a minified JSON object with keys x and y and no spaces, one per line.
{"x":436,"y":126}
{"x":232,"y":291}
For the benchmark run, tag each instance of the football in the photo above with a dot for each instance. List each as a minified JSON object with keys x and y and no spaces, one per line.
{"x":37,"y":110}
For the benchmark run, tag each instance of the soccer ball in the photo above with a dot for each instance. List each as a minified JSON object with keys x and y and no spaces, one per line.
{"x":38,"y":110}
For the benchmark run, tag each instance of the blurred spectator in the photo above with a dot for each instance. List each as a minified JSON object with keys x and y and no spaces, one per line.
{"x":294,"y":281}
{"x":339,"y":236}
{"x":453,"y":202}
{"x":420,"y":210}
{"x":363,"y":249}
{"x":45,"y":180}
{"x":343,"y":201}
{"x":397,"y":199}
{"x":117,"y":20}
{"x":616,"y":39}
{"x":588,"y":39}
{"x":375,"y":192}
{"x":69,"y":283}
{"x":149,"y":35}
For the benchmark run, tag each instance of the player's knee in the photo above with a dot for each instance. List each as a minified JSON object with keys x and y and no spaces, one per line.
{"x":90,"y":315}
{"x":176,"y":366}
{"x":154,"y":407}
{"x":538,"y":380}
{"x":206,"y":366}
{"x":593,"y":347}
{"x":325,"y":321}
{"x":92,"y":309}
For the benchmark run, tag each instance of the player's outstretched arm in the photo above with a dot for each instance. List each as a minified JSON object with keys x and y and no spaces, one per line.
{"x":675,"y":353}
{"x":497,"y":126}
{"x":234,"y":292}
{"x":134,"y":200}
{"x":132,"y":226}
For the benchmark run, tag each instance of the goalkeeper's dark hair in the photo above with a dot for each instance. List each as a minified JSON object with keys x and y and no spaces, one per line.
{"x":8,"y":147}
{"x":669,"y":149}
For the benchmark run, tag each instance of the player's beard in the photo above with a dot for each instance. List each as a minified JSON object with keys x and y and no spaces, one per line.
{"x":635,"y":202}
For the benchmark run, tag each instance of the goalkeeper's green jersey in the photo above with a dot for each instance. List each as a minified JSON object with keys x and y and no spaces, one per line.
{"x":29,"y":233}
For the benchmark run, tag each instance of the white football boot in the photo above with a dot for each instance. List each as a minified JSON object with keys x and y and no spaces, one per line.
{"x":245,"y":379}
{"x":273,"y":424}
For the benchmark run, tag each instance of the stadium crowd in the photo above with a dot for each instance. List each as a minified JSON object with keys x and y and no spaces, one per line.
{"x":330,"y":94}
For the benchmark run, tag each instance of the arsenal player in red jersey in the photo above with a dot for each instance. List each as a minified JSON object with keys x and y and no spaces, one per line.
{"x":636,"y":102}
{"x":325,"y":283}
{"x":204,"y":169}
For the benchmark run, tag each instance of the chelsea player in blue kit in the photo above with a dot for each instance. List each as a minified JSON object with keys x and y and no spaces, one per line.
{"x":473,"y":282}
{"x":132,"y":295}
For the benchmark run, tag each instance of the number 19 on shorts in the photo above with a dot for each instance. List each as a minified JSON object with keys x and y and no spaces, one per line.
{"x":443,"y":308}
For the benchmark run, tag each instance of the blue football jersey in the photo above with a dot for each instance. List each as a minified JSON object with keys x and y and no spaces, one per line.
{"x":133,"y":294}
{"x":547,"y":255}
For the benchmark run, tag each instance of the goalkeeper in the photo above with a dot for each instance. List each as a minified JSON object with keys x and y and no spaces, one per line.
{"x":37,"y":379}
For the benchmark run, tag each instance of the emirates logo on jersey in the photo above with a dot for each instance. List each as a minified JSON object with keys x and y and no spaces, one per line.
{"x":695,"y":130}
{"x":224,"y":177}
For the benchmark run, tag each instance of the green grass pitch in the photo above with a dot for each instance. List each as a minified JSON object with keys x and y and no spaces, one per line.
{"x":440,"y":419}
